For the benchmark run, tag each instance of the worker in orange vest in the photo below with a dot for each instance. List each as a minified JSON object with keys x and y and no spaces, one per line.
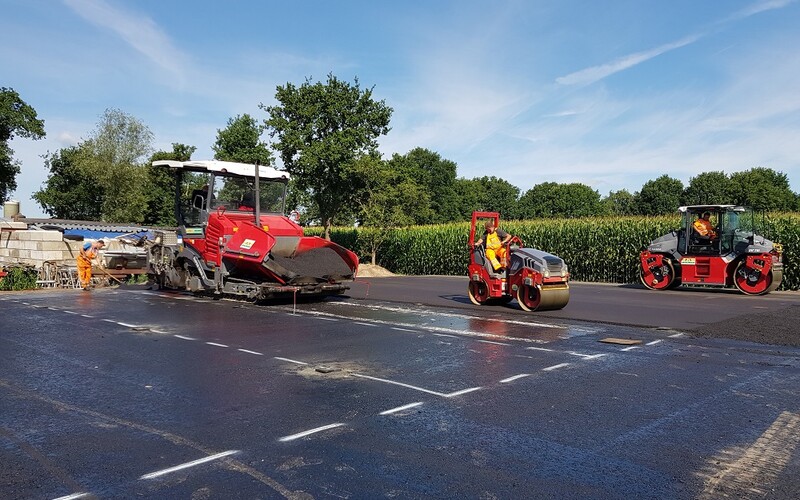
{"x":704,"y":227}
{"x":85,"y":257}
{"x":496,"y":240}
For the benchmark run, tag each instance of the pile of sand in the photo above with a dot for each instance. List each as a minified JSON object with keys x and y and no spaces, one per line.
{"x":372,"y":271}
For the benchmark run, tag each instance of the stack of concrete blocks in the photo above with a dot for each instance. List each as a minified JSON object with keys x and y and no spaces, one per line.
{"x":18,"y":245}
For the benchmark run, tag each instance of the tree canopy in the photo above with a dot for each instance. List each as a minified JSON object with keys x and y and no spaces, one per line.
{"x":762,"y":188}
{"x":241,"y":141}
{"x":106,"y":169}
{"x":551,"y":199}
{"x":322,"y":129}
{"x":17,"y":118}
{"x":708,"y":188}
{"x":660,"y":196}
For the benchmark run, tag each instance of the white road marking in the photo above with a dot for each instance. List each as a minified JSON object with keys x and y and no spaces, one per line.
{"x":751,"y":472}
{"x":404,"y":329}
{"x":251,"y":352}
{"x":676,"y":335}
{"x":515,"y":377}
{"x":584,"y":356}
{"x":127,"y":325}
{"x":215,"y":344}
{"x":108,"y":320}
{"x":401,"y":384}
{"x":291,"y":361}
{"x":86,"y":316}
{"x":309,"y":432}
{"x":555,"y":367}
{"x":182,"y":337}
{"x":492,"y":342}
{"x":630,"y":348}
{"x":444,"y":335}
{"x":70,"y":312}
{"x":540,"y":349}
{"x":654,"y":342}
{"x":400,"y":408}
{"x":463,"y":391}
{"x":158,"y":331}
{"x":74,"y":496}
{"x":362,"y":323}
{"x":189,"y":464}
{"x":326,"y":319}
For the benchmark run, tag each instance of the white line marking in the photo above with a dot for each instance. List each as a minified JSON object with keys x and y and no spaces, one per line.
{"x":399,"y":408}
{"x":463,"y":391}
{"x":74,"y":496}
{"x":444,"y":335}
{"x":158,"y":331}
{"x":251,"y":352}
{"x":215,"y":344}
{"x":515,"y":377}
{"x":492,"y":342}
{"x":306,"y":433}
{"x":540,"y":349}
{"x":554,"y":367}
{"x":182,"y":337}
{"x":404,"y":329}
{"x":630,"y":348}
{"x":585,"y":356}
{"x":654,"y":342}
{"x":594,"y":356}
{"x":189,"y":464}
{"x":676,"y":335}
{"x":108,"y":320}
{"x":70,"y":312}
{"x":127,"y":325}
{"x":325,"y":319}
{"x":428,"y":391}
{"x":291,"y":361}
{"x":363,"y":323}
{"x":86,"y":316}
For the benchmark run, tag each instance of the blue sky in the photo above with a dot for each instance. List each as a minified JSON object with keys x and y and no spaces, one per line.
{"x":610,"y":94}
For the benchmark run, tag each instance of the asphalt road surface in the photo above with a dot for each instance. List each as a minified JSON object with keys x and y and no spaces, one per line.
{"x":402,"y":389}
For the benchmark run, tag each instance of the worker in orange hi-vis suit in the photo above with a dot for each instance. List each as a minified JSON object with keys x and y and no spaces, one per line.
{"x":496,"y":240}
{"x":85,"y":256}
{"x":704,"y":227}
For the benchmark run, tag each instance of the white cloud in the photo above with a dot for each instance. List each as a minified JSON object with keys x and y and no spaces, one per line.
{"x":139,"y":31}
{"x":590,"y":75}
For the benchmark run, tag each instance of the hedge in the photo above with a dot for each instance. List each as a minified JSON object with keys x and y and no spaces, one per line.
{"x":599,"y":249}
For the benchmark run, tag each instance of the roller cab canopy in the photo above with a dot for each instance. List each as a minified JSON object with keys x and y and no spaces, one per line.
{"x":225,"y":168}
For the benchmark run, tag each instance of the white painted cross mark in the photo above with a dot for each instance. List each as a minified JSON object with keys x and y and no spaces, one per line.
{"x":400,"y":408}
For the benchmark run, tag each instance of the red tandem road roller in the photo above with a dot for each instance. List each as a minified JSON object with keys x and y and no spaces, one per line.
{"x":538,"y":280}
{"x":716,"y":246}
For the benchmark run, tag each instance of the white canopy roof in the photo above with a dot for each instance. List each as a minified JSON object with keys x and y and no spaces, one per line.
{"x":225,"y":167}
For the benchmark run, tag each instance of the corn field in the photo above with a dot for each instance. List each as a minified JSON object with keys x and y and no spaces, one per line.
{"x":598,"y":249}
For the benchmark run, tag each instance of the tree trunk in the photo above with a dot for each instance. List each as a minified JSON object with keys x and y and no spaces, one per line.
{"x":374,"y":254}
{"x":328,"y":223}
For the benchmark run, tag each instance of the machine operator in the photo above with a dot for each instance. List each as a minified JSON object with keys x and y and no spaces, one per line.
{"x":495,"y":239}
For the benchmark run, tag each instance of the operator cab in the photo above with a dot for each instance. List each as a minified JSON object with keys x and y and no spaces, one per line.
{"x":731,"y":226}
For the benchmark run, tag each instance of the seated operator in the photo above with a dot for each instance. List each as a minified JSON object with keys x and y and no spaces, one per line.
{"x":496,"y":239}
{"x":705,"y":229}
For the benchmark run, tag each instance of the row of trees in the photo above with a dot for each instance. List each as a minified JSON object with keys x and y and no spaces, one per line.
{"x":326,"y":135}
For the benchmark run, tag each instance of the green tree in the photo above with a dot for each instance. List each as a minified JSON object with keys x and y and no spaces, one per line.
{"x":660,"y":196}
{"x":470,"y":196}
{"x":437,"y":176}
{"x":20,"y":119}
{"x":390,"y":199}
{"x":69,"y":192}
{"x":321,"y":131}
{"x":499,"y":195}
{"x":761,"y":188}
{"x":551,"y":199}
{"x":620,"y":202}
{"x":708,"y":188}
{"x":161,"y":185}
{"x":241,"y":141}
{"x":109,"y":164}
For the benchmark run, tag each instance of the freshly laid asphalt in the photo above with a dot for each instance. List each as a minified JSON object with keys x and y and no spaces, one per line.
{"x":402,"y":389}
